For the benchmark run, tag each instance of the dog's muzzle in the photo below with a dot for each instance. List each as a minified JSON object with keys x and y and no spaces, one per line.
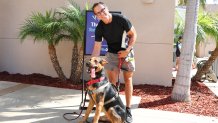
{"x":91,"y":69}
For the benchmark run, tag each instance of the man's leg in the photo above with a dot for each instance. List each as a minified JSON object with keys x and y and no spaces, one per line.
{"x":128,"y":87}
{"x":112,"y":67}
{"x":128,"y":94}
{"x":113,"y":76}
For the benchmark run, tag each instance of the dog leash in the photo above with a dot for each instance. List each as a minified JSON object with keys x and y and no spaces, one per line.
{"x":79,"y":114}
{"x":75,"y":113}
{"x":121,"y":60}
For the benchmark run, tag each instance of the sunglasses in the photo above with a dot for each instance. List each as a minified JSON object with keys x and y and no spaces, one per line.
{"x":100,"y":12}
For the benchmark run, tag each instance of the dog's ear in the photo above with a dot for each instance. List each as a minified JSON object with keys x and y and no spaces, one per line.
{"x":103,"y":62}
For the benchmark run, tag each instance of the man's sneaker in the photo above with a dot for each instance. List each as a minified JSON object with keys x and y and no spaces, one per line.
{"x":128,"y":115}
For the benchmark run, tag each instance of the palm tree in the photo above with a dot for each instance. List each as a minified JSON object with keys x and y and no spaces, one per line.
{"x":44,"y":28}
{"x":181,"y":89}
{"x":213,"y":32}
{"x":206,"y":27}
{"x":73,"y":19}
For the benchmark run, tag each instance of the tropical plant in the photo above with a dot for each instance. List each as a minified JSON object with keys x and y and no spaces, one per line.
{"x":73,"y":19}
{"x":181,"y":89}
{"x":213,"y":32}
{"x":65,"y":24}
{"x":44,"y":28}
{"x":179,"y":23}
{"x":206,"y":27}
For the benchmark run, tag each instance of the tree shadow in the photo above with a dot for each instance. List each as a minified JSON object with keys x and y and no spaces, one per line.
{"x":156,"y":103}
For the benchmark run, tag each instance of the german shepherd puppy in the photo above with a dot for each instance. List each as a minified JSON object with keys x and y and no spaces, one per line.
{"x":103,"y":94}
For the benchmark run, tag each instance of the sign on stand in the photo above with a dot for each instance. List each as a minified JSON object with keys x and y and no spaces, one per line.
{"x":91,"y":24}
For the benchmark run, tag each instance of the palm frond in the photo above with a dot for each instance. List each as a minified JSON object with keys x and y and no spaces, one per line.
{"x":73,"y":20}
{"x":201,"y":35}
{"x":207,"y":26}
{"x":208,"y":23}
{"x":184,"y":2}
{"x":41,"y":27}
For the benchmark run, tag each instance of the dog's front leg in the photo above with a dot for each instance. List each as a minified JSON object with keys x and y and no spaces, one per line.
{"x":88,"y":111}
{"x":99,"y":107}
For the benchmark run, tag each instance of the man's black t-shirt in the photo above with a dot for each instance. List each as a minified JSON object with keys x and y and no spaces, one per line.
{"x":113,"y":32}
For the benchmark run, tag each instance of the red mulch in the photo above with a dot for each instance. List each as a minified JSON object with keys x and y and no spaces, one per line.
{"x":204,"y":102}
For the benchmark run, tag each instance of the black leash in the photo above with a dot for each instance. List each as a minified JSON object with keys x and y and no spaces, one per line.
{"x":75,"y":113}
{"x":83,"y":101}
{"x":121,"y":60}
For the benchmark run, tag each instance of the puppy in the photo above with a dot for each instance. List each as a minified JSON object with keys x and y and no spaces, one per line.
{"x":103,"y":94}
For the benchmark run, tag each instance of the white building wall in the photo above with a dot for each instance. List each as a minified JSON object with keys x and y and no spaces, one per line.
{"x":154,"y":47}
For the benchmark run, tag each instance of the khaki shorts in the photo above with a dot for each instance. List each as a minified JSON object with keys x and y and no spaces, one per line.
{"x":127,"y":65}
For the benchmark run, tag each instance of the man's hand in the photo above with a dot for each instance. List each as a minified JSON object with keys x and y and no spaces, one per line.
{"x":96,"y":49}
{"x":123,"y":54}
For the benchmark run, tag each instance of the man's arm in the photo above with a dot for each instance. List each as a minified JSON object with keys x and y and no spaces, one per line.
{"x":132,"y":39}
{"x":96,"y":49}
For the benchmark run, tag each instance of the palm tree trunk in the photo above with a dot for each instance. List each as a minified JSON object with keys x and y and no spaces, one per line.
{"x":206,"y":66}
{"x":77,"y":64}
{"x":80,"y":65}
{"x":55,"y":63}
{"x":74,"y":63}
{"x":181,"y":89}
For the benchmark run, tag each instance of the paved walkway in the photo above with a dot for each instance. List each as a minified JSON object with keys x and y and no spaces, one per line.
{"x":22,"y":103}
{"x":212,"y":86}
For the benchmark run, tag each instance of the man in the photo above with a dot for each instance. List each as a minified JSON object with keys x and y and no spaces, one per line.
{"x":111,"y":27}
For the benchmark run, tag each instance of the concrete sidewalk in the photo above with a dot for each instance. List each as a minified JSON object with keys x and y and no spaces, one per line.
{"x":213,"y":86}
{"x":21,"y":103}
